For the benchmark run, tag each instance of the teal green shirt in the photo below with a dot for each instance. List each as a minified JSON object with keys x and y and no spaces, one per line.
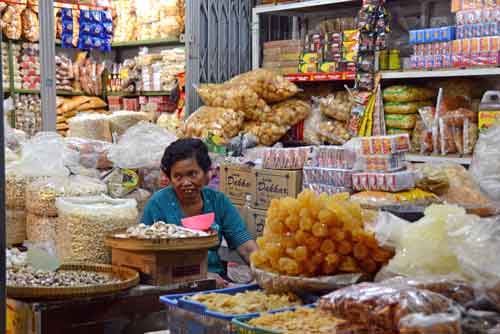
{"x":165,"y":206}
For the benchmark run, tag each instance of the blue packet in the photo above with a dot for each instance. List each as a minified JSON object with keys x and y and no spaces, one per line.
{"x":85,"y":16}
{"x":67,"y":14}
{"x":85,"y":28}
{"x":96,"y":29}
{"x":106,"y":45}
{"x":85,"y":42}
{"x":97,"y":43}
{"x":96,"y":16}
{"x":107,"y":29}
{"x":67,"y":40}
{"x":67,"y":26}
{"x":107,"y":17}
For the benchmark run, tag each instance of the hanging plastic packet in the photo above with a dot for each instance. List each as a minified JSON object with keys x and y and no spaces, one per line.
{"x":360,"y":102}
{"x":67,"y":28}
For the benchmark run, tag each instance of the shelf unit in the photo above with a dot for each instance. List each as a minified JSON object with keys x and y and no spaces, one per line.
{"x":461,"y":160}
{"x":445,"y":73}
{"x":318,"y":77}
{"x":158,"y":93}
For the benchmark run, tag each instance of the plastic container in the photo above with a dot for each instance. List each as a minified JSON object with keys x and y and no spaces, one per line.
{"x":200,"y":222}
{"x":187,"y":316}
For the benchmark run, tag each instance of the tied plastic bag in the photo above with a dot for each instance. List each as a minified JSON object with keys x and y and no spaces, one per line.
{"x":311,"y":135}
{"x":288,"y":113}
{"x":486,"y":163}
{"x":91,"y":126}
{"x":93,"y":153}
{"x":394,"y":309}
{"x":267,"y":133}
{"x":84,"y":222}
{"x":401,"y":93}
{"x":333,"y":132}
{"x":123,"y":120}
{"x":11,"y":22}
{"x":236,"y":97}
{"x":31,"y":29}
{"x":141,"y":146}
{"x":219,"y":122}
{"x":41,"y":195}
{"x":267,"y":84}
{"x":337,"y":106}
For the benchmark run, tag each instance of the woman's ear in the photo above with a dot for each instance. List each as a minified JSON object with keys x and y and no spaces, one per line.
{"x":164,"y":179}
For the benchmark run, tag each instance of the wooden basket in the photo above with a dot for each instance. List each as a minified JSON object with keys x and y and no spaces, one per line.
{"x":135,"y":244}
{"x":129,"y":277}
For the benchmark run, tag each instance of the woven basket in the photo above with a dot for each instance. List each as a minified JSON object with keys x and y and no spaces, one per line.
{"x":135,"y":244}
{"x":129,"y":277}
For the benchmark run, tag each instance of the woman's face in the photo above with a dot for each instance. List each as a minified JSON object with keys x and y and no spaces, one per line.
{"x":187,"y":178}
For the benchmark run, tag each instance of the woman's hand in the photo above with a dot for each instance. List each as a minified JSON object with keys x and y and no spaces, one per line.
{"x":220,"y":283}
{"x":247,"y":249}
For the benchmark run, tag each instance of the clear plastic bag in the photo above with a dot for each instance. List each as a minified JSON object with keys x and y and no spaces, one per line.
{"x":141,"y":146}
{"x":311,"y":135}
{"x":267,"y":133}
{"x":288,"y":113}
{"x":333,"y":132}
{"x":41,"y":195}
{"x":486,"y":163}
{"x":222,"y":123}
{"x":337,"y":106}
{"x":394,"y":309}
{"x":84,"y":222}
{"x":93,"y":153}
{"x":236,"y":97}
{"x":267,"y":84}
{"x":30,"y":24}
{"x":401,"y":93}
{"x":91,"y":126}
{"x":40,"y":228}
{"x":141,"y":196}
{"x":121,"y":121}
{"x":12,"y":23}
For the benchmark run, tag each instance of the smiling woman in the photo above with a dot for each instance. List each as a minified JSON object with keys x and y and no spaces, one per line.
{"x":186,"y":164}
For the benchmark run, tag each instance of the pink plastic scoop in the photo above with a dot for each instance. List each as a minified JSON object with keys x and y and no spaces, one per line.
{"x":200,"y":223}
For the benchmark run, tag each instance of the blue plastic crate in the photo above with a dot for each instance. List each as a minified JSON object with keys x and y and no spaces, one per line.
{"x":190,"y":317}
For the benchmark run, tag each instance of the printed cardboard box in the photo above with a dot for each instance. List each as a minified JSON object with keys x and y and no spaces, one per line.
{"x":236,"y":182}
{"x":271,"y":184}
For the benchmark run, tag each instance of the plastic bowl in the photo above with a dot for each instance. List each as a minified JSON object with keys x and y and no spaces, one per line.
{"x":200,"y":223}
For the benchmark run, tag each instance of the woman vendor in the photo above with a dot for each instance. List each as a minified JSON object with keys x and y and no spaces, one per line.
{"x":186,"y":164}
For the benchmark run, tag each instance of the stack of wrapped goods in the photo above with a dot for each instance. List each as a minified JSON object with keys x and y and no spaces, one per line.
{"x":258,"y":103}
{"x":383,"y":179}
{"x":67,"y":108}
{"x":329,"y":170}
{"x":336,"y":107}
{"x":41,"y":210}
{"x":28,"y":113}
{"x":29,"y":66}
{"x":5,"y":67}
{"x":16,"y":51}
{"x":282,"y":56}
{"x":158,"y":19}
{"x":159,"y":70}
{"x":125,"y":21}
{"x":64,"y":73}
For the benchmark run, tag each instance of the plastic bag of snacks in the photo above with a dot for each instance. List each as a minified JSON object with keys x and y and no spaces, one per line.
{"x":381,"y":145}
{"x":380,"y":199}
{"x":333,"y":157}
{"x":41,"y":195}
{"x":221,"y":122}
{"x":408,"y":310}
{"x":288,"y":113}
{"x":267,"y":133}
{"x":141,"y":146}
{"x":91,"y":126}
{"x":235,"y":97}
{"x":31,"y":29}
{"x":315,"y":117}
{"x":320,"y":188}
{"x":337,"y":106}
{"x":455,"y":137}
{"x":267,"y":84}
{"x":84,"y":222}
{"x":486,"y":162}
{"x":392,"y":182}
{"x":93,"y":153}
{"x":401,"y":121}
{"x":404,"y":107}
{"x":333,"y":132}
{"x":12,"y":22}
{"x":123,"y":120}
{"x":286,"y":158}
{"x":402,"y":93}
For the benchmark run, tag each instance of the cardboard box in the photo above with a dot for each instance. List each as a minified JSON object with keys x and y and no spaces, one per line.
{"x":236,"y":182}
{"x":256,"y":221}
{"x":271,"y":184}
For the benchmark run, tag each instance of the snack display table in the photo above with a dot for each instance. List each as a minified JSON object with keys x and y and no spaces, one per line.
{"x":137,"y":310}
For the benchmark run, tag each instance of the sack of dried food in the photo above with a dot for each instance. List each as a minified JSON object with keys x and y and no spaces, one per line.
{"x":287,"y":113}
{"x":123,"y":120}
{"x":267,"y":84}
{"x":84,"y":222}
{"x":41,"y":195}
{"x":141,"y":196}
{"x":337,"y":106}
{"x":15,"y":226}
{"x":141,"y":146}
{"x":93,"y":153}
{"x":386,"y":308}
{"x":333,"y":132}
{"x":401,"y":93}
{"x":91,"y":126}
{"x":311,"y":135}
{"x":267,"y":133}
{"x":236,"y":97}
{"x":486,"y":163}
{"x":401,"y":121}
{"x":405,"y":107}
{"x":11,"y":22}
{"x":31,"y":29}
{"x":40,"y":228}
{"x":220,"y":122}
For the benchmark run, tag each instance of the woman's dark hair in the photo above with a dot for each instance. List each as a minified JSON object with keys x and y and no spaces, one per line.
{"x":184,"y":149}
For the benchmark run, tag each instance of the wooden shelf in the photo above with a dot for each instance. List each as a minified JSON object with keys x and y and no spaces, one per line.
{"x":461,"y":160}
{"x":152,"y":42}
{"x":445,"y":73}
